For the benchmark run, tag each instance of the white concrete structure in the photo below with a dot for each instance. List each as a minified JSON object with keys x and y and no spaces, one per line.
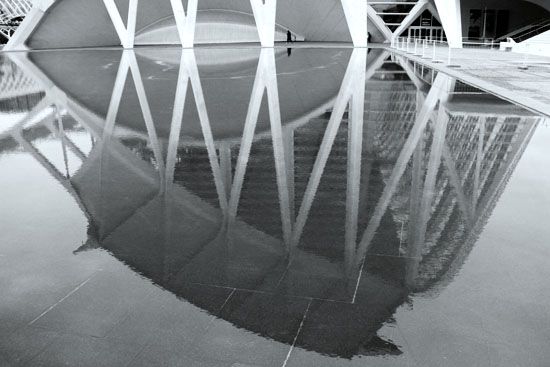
{"x":449,"y":12}
{"x":53,"y":24}
{"x":126,"y":23}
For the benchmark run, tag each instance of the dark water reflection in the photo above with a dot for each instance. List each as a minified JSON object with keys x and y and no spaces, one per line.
{"x":301,"y":198}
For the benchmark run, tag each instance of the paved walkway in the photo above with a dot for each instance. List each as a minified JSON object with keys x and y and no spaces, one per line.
{"x":521,"y":79}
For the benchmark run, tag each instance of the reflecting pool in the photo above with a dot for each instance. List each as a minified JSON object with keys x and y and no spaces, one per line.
{"x":267,"y":207}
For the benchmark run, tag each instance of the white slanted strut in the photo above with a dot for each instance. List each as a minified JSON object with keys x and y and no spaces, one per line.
{"x":356,"y":16}
{"x":264,"y":13}
{"x":126,"y":33}
{"x":449,"y":13}
{"x":265,"y":83}
{"x":33,"y":18}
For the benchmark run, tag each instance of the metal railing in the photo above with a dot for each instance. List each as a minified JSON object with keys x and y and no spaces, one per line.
{"x":527,"y":32}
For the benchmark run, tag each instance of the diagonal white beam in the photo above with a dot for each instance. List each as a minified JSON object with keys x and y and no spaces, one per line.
{"x":356,"y":17}
{"x":449,"y":14}
{"x":18,"y":41}
{"x":418,"y":83}
{"x":434,"y":12}
{"x":415,"y":12}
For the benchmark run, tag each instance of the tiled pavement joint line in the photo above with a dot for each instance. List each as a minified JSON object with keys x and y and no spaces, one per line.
{"x":297,"y":335}
{"x":273,"y":293}
{"x":488,"y":86}
{"x":64,"y":298}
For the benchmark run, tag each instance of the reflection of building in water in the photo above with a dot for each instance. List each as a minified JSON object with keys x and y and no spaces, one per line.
{"x":296,"y":208}
{"x":12,"y":13}
{"x":18,"y":92}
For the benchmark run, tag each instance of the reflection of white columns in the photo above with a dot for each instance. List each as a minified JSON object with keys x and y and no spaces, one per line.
{"x":185,"y":22}
{"x":352,"y":85}
{"x":190,"y":72}
{"x":266,"y":80}
{"x":31,"y":21}
{"x":479,"y":161}
{"x":225,"y":166}
{"x":288,"y":137}
{"x":449,"y":12}
{"x":410,"y":145}
{"x":422,"y":214}
{"x":128,"y":62}
{"x":356,"y":16}
{"x":265,"y":13}
{"x":415,"y":195}
{"x":355,"y":145}
{"x":456,"y":183}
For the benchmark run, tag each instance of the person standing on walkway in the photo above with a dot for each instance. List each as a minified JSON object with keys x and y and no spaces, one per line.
{"x":288,"y":36}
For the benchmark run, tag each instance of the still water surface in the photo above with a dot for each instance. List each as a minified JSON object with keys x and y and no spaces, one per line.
{"x":238,"y":207}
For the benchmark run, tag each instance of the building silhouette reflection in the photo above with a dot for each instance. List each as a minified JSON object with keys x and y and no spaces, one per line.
{"x":349,"y":180}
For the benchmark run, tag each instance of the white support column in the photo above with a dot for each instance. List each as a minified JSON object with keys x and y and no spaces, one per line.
{"x":126,"y":34}
{"x":265,"y":12}
{"x":356,"y":16}
{"x":185,"y":22}
{"x":31,"y":21}
{"x":449,"y":13}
